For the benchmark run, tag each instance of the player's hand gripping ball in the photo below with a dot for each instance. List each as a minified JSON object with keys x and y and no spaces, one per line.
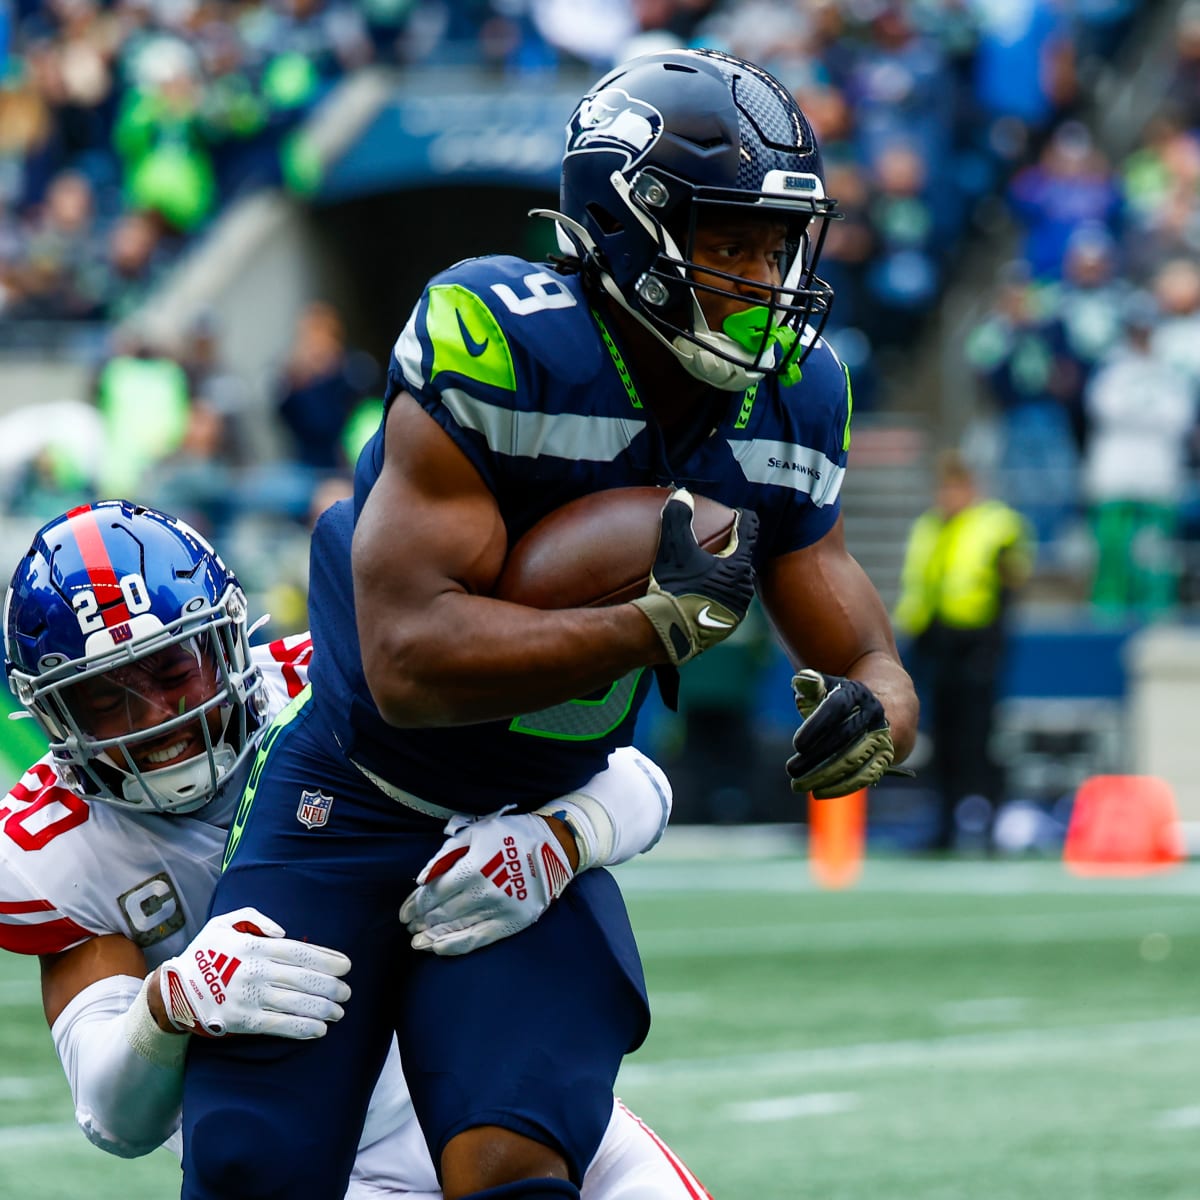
{"x":694,"y":598}
{"x":600,"y":549}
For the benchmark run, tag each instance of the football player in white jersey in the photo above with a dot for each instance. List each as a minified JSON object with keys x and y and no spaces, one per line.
{"x":126,"y":638}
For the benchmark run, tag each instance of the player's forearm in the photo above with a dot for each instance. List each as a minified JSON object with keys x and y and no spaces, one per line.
{"x":126,"y":1074}
{"x":471,"y":658}
{"x":890,"y":682}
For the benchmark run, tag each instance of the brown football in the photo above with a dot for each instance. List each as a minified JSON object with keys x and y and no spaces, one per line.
{"x":599,"y":549}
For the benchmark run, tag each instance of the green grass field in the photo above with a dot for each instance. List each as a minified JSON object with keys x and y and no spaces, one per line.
{"x":942,"y":1031}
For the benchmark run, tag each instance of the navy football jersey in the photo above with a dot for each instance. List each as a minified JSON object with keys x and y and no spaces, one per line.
{"x":519,"y":370}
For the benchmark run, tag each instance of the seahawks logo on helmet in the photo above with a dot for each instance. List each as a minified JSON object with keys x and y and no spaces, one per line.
{"x":614,"y":120}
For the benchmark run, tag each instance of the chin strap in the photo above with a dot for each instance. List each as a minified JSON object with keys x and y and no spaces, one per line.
{"x":701,"y":362}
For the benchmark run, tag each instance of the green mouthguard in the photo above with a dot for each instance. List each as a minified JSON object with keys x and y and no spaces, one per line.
{"x":747,"y":328}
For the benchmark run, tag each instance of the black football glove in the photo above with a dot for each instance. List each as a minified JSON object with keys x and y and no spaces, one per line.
{"x":844,"y":742}
{"x":697,"y":599}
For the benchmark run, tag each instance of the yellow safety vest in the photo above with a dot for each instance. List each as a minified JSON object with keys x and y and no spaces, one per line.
{"x":952,"y":571}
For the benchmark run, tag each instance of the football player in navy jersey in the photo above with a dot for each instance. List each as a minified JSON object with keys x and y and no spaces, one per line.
{"x":676,"y":341}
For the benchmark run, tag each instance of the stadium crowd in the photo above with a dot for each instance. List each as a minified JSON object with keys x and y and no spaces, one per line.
{"x":128,"y":126}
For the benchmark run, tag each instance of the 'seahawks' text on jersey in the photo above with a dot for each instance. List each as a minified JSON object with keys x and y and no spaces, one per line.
{"x":515,"y":365}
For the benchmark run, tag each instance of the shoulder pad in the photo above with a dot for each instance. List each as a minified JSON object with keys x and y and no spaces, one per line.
{"x":823,"y":369}
{"x":484,"y":316}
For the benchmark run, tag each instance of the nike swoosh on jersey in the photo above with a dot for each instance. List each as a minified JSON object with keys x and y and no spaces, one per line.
{"x":704,"y":617}
{"x":474,"y":348}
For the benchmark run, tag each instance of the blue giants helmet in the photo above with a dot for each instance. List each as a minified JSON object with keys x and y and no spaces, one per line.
{"x":664,"y":141}
{"x":125,"y":637}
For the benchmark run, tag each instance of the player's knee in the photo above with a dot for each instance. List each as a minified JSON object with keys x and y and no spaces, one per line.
{"x":528,"y":1189}
{"x":244,"y":1153}
{"x":481,"y":1163}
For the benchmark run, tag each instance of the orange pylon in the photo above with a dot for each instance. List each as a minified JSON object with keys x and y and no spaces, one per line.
{"x":837,"y":831}
{"x":1123,"y":825}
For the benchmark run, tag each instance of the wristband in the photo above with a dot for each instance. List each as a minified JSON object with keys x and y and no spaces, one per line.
{"x":582,"y":832}
{"x":144,"y":1036}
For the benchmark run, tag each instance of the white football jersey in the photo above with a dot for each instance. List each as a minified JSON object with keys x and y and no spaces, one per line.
{"x":72,"y":869}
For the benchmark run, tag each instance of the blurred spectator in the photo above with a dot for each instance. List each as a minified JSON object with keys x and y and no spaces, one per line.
{"x":1183,"y":86}
{"x":1166,"y":160}
{"x":1071,"y":183}
{"x":1024,"y":71}
{"x":1140,"y":411}
{"x":60,"y":272}
{"x":848,"y":243}
{"x":197,"y":481}
{"x":964,"y":559}
{"x":1014,"y":353}
{"x":832,"y":119}
{"x":143,"y":399}
{"x":211,"y":383}
{"x":1099,"y":29}
{"x":163,"y":140}
{"x":903,"y":275}
{"x":897,"y":84}
{"x":1160,"y":183}
{"x":1176,"y":337}
{"x":136,"y":255}
{"x":1085,"y":315}
{"x":319,"y":387}
{"x":30,"y":144}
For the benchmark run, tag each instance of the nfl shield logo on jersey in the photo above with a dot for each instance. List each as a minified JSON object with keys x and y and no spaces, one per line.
{"x":314,"y":809}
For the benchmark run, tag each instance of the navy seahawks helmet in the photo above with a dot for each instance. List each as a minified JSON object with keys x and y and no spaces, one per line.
{"x":125,"y":637}
{"x":660,"y":143}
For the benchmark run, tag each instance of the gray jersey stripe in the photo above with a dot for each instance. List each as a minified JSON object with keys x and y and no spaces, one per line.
{"x":784,"y":464}
{"x":531,"y":434}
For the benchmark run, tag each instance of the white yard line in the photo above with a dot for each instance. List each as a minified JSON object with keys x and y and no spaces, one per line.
{"x":1180,"y":1118}
{"x":999,"y":927}
{"x":1005,"y":1048}
{"x":22,"y":1137}
{"x":19,"y":1087}
{"x":983,"y":1010}
{"x":789,"y":874}
{"x":787,"y":1108}
{"x":19,"y":993}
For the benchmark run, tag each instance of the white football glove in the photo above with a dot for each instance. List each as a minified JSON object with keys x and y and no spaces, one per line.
{"x":494,"y":877}
{"x":241,"y":975}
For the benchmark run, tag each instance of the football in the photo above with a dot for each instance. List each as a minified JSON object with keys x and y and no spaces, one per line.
{"x":599,"y":549}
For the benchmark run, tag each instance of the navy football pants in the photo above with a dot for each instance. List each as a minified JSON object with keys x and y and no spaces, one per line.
{"x":527,"y":1034}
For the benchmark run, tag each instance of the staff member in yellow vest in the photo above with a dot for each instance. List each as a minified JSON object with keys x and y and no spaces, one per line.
{"x":965,"y":557}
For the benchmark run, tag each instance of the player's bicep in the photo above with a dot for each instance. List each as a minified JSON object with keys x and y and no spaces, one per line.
{"x":65,"y":975}
{"x":430,"y":524}
{"x":825,"y":610}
